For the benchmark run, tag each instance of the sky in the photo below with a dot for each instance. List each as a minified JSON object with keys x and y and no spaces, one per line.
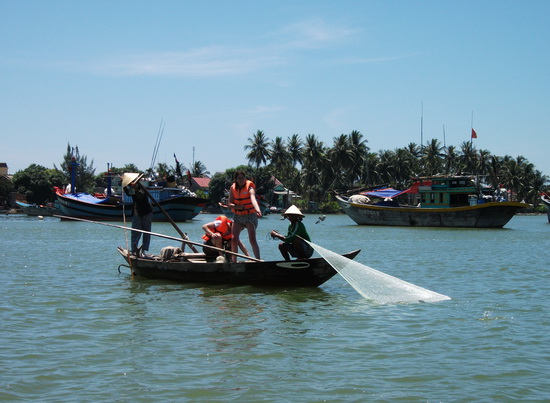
{"x":110,"y":76}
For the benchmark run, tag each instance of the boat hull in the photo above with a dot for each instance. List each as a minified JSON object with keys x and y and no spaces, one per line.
{"x":485,"y":215}
{"x":35,"y":210}
{"x":179,"y":208}
{"x":299,"y":273}
{"x":546,"y":203}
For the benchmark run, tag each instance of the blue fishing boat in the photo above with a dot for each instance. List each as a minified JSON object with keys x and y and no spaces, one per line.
{"x":179,"y":203}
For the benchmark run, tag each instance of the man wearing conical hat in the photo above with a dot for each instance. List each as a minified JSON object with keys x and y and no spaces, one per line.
{"x":142,"y":212}
{"x":294,"y":243}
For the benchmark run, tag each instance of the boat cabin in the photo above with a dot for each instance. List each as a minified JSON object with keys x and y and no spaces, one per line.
{"x":447,"y":192}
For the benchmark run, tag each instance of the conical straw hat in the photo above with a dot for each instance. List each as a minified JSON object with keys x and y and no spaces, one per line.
{"x":293,"y":210}
{"x":129,"y":178}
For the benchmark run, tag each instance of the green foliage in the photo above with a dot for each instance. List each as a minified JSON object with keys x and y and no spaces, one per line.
{"x":6,"y":186}
{"x":201,"y":193}
{"x":221,"y":182}
{"x":36,"y":183}
{"x":218,"y":185}
{"x":85,"y":179}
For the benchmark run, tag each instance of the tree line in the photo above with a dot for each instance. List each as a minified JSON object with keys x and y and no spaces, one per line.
{"x":313,"y":169}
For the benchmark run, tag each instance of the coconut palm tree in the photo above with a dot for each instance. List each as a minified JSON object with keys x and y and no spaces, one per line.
{"x":468,"y":158}
{"x":360,"y":154}
{"x":294,"y":145}
{"x":433,"y":158}
{"x":313,"y":161}
{"x":342,"y":159}
{"x":198,"y":170}
{"x":259,"y":149}
{"x":280,"y":157}
{"x":483,"y":162}
{"x":401,"y":167}
{"x":451,"y":160}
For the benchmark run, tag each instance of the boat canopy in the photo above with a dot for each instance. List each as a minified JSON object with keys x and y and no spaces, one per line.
{"x":88,"y":198}
{"x":391,"y":192}
{"x":386,"y":193}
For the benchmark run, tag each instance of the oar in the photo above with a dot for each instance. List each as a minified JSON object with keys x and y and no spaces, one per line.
{"x":159,"y":235}
{"x":182,"y":234}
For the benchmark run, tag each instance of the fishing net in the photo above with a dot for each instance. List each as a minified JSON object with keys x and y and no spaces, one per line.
{"x":375,"y":285}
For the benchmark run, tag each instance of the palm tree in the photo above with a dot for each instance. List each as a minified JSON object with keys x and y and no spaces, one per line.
{"x":385,"y":166}
{"x":402,"y":162}
{"x":432,"y":157}
{"x":198,"y":170}
{"x":483,"y":162}
{"x":495,"y":167}
{"x":294,"y":145}
{"x":467,"y":158}
{"x":360,"y":154}
{"x":341,"y":157}
{"x":280,"y":157}
{"x":451,"y":160}
{"x":314,"y":157}
{"x":259,"y":149}
{"x":370,"y":174}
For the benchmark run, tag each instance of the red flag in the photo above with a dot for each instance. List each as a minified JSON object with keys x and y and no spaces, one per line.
{"x":474,"y":134}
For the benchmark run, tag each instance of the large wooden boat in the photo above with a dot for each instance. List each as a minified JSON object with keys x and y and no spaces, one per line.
{"x":438,"y":202}
{"x":199,"y":268}
{"x":180,"y":206}
{"x":546,"y":202}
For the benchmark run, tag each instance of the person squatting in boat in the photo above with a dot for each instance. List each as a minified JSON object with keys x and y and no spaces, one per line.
{"x":293,"y":243}
{"x":218,"y":234}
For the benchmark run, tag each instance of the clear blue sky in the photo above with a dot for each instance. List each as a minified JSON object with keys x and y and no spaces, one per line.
{"x":104,"y":74}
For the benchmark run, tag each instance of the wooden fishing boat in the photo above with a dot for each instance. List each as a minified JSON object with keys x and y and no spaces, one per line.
{"x":437,"y":202}
{"x":180,"y":206}
{"x":546,"y":202}
{"x":38,"y":210}
{"x":199,"y":268}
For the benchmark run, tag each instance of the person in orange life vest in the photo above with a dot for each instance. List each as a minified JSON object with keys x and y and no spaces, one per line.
{"x":218,"y":233}
{"x":243,"y":203}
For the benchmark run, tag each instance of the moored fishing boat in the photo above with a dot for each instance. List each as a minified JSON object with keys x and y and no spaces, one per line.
{"x":38,"y":210}
{"x":436,"y":202}
{"x":115,"y":208}
{"x":178,"y":202}
{"x":546,"y":202}
{"x":199,"y":268}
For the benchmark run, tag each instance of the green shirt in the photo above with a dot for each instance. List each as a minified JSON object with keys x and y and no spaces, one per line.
{"x":294,"y":230}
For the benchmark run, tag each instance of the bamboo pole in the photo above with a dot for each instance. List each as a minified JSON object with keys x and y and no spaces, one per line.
{"x":187,"y":241}
{"x":156,"y":203}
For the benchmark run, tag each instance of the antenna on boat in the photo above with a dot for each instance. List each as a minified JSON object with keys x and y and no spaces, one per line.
{"x":421,"y":126}
{"x":157,"y":144}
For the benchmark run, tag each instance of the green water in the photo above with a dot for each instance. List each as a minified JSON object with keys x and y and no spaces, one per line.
{"x":75,"y":329}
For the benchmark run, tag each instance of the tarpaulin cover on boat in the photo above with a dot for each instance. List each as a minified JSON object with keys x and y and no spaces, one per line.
{"x":385,"y":193}
{"x":88,"y":198}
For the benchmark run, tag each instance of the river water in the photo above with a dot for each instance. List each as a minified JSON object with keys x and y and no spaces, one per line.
{"x":75,"y":329}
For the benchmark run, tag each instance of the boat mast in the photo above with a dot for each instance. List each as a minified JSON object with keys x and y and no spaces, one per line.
{"x":157,"y":145}
{"x":421,"y":126}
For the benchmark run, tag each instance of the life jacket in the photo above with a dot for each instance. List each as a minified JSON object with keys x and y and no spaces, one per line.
{"x":222,"y":229}
{"x":242,"y":198}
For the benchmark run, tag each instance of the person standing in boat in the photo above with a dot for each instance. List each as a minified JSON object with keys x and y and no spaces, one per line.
{"x":242,"y":201}
{"x":218,"y":234}
{"x":142,"y":213}
{"x":293,"y":243}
